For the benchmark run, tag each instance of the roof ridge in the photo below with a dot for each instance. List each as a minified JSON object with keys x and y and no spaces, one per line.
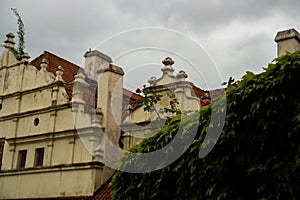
{"x":52,"y":54}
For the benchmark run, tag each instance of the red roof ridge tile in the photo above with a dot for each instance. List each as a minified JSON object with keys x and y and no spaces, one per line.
{"x":131,"y":95}
{"x":52,"y":54}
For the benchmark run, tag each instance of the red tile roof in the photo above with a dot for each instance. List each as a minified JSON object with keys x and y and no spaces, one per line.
{"x":104,"y":193}
{"x":61,"y":198}
{"x":197,"y":92}
{"x":70,"y":70}
{"x":132,"y":95}
{"x":54,"y":61}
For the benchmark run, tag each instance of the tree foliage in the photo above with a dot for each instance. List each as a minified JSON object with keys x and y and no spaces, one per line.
{"x":256,"y":157}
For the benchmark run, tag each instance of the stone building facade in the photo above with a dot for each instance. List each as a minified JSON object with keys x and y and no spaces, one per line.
{"x":42,"y":153}
{"x":55,"y":116}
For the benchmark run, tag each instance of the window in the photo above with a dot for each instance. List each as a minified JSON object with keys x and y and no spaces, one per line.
{"x":22,"y":159}
{"x":1,"y":150}
{"x":39,"y":157}
{"x":36,"y":121}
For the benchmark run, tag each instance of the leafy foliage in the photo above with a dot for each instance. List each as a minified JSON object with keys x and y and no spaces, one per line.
{"x":21,"y":44}
{"x":173,"y":107}
{"x":256,"y":157}
{"x":150,"y":98}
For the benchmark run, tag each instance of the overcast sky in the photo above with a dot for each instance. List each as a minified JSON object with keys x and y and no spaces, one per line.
{"x":231,"y":37}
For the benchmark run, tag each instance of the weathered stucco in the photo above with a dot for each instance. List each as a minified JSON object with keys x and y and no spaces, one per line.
{"x":36,"y":112}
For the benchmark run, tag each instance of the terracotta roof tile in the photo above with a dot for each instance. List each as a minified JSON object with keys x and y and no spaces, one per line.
{"x":104,"y":193}
{"x":53,"y":62}
{"x":61,"y":198}
{"x":70,"y":71}
{"x":131,"y":95}
{"x":197,"y":92}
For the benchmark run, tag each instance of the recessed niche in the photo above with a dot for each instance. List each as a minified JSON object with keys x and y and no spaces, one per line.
{"x":36,"y":121}
{"x":0,"y":106}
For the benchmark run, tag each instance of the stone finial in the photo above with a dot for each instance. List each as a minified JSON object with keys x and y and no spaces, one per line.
{"x":79,"y":87}
{"x":25,"y":58}
{"x":44,"y":64}
{"x":168,"y":69}
{"x":152,"y":81}
{"x":10,"y":40}
{"x":80,"y":78}
{"x":59,"y":72}
{"x":8,"y":57}
{"x":181,"y":75}
{"x":168,"y":61}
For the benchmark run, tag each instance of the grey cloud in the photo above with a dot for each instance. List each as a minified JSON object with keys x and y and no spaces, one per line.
{"x":68,"y":28}
{"x":203,"y":15}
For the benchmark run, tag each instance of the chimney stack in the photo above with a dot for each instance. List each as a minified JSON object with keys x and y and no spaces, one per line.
{"x":94,"y":61}
{"x":287,"y":41}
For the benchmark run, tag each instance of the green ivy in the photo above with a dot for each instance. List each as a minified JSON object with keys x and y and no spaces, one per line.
{"x":21,"y":43}
{"x":256,"y":157}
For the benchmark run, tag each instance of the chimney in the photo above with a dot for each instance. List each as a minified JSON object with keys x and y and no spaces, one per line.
{"x":110,"y":98}
{"x":94,"y":61}
{"x":287,"y":41}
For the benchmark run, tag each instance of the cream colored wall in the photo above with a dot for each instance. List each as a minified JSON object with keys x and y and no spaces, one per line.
{"x":36,"y":100}
{"x":9,"y":105}
{"x":7,"y":127}
{"x":80,"y":153}
{"x":139,"y":115}
{"x":67,"y":149}
{"x":51,"y":119}
{"x":62,"y":152}
{"x":64,"y":120}
{"x":68,"y":181}
{"x":26,"y":94}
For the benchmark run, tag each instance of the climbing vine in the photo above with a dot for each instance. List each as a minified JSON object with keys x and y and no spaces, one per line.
{"x":19,"y":51}
{"x":256,"y":157}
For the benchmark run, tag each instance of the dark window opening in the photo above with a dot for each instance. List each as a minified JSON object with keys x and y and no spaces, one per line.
{"x":1,"y":150}
{"x":36,"y":121}
{"x":39,"y":157}
{"x":22,"y":159}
